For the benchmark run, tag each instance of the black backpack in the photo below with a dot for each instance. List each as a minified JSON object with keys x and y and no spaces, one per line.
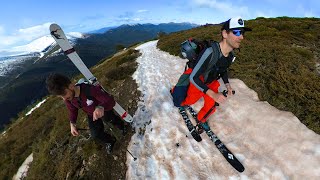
{"x":191,"y":49}
{"x":86,"y":89}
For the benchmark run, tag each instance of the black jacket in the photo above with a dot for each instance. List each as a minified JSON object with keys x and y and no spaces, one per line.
{"x":210,"y":70}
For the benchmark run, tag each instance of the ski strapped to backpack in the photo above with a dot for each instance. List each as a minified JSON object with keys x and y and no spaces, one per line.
{"x":194,"y":51}
{"x":61,"y":39}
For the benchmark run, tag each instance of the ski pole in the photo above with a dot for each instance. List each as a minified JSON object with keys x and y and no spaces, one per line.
{"x":225,"y":93}
{"x":84,"y":129}
{"x":134,"y":158}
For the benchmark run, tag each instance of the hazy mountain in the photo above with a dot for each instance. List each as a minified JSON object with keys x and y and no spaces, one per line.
{"x":102,"y":30}
{"x":166,"y":27}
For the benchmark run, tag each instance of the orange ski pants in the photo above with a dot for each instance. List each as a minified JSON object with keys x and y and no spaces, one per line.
{"x":194,"y":94}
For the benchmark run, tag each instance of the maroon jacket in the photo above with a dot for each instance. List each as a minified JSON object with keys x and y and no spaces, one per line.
{"x":98,"y":98}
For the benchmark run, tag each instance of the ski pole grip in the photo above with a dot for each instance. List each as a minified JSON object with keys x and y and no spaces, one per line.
{"x":225,"y":93}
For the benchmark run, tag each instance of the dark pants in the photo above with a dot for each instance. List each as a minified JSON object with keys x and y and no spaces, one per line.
{"x":97,"y":127}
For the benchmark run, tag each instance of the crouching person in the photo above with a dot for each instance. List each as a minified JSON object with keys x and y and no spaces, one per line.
{"x":96,"y":103}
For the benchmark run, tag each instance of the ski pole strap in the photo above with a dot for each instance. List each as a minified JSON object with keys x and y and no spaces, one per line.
{"x":69,"y":51}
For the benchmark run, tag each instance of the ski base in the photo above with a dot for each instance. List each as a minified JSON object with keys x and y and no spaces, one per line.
{"x":189,"y":124}
{"x":228,"y":155}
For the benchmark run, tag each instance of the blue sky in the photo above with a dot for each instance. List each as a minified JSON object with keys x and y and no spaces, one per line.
{"x":25,"y":20}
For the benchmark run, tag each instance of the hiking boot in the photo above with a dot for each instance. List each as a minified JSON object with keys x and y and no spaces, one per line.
{"x":204,"y":126}
{"x":199,"y":128}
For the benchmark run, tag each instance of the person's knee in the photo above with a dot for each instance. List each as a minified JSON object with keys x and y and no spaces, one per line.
{"x":96,"y":132}
{"x":94,"y":135}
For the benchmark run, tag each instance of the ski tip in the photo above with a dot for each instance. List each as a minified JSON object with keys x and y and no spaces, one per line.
{"x":128,"y":118}
{"x":240,"y":169}
{"x":196,"y":137}
{"x":54,"y":27}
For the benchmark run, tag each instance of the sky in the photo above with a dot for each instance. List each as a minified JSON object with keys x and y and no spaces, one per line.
{"x":23,"y":21}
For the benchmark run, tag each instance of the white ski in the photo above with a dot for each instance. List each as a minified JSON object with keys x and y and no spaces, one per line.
{"x":61,"y":39}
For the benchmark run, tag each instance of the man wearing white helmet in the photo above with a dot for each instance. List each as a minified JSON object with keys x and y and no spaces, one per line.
{"x":204,"y":76}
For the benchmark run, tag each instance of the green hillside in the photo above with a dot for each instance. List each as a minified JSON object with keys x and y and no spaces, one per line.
{"x":46,"y":133}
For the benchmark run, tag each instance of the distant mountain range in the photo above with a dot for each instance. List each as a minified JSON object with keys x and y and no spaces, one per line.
{"x":166,"y":27}
{"x":102,"y":30}
{"x":26,"y":84}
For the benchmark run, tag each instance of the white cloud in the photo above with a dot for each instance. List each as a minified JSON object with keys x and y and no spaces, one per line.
{"x":1,"y":30}
{"x":229,"y":8}
{"x":136,"y":19}
{"x":22,"y":35}
{"x":309,"y":14}
{"x":34,"y":32}
{"x":142,"y":11}
{"x":305,"y":12}
{"x":263,"y":14}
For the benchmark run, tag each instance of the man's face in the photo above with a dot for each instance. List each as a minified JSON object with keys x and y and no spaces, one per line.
{"x":68,"y":94}
{"x":234,"y":38}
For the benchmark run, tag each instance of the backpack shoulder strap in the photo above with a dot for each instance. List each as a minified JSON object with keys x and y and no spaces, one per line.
{"x":86,"y":89}
{"x":216,"y":54}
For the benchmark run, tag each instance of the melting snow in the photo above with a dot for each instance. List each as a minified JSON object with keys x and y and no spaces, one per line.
{"x":271,"y":144}
{"x":37,"y":106}
{"x":22,"y":171}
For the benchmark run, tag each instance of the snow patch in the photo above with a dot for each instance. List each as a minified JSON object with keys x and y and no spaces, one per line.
{"x":35,"y":46}
{"x":74,"y":35}
{"x":37,"y":106}
{"x":22,"y":171}
{"x":271,"y":144}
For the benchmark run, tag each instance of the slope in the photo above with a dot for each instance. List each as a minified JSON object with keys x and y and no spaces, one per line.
{"x":46,"y":134}
{"x":272,"y":144}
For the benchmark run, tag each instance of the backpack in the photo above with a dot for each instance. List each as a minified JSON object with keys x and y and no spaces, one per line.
{"x":86,"y":89}
{"x":192,"y":50}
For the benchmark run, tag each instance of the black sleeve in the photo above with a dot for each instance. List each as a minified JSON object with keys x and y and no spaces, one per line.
{"x":225,"y":77}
